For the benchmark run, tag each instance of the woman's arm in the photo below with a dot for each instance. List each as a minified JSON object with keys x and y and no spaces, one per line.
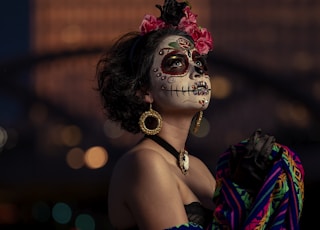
{"x":152,"y":194}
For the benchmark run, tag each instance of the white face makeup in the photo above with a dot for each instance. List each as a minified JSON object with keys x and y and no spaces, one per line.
{"x":179,"y":76}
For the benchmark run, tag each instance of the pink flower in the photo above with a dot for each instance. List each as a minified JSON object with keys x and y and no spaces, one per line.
{"x":193,"y":30}
{"x":150,"y":23}
{"x":188,"y":23}
{"x":201,"y":36}
{"x":205,"y":42}
{"x":190,"y":17}
{"x":187,"y":26}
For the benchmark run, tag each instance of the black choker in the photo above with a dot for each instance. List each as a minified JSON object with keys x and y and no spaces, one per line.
{"x":182,"y":156}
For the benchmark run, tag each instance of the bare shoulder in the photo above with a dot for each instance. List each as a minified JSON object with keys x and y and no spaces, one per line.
{"x":143,"y":180}
{"x":141,"y":171}
{"x":137,"y":167}
{"x":140,"y":163}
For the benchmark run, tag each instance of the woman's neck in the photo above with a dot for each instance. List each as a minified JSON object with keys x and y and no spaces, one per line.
{"x":175,"y":133}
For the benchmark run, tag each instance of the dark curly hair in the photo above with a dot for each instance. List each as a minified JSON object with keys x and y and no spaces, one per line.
{"x":123,"y":75}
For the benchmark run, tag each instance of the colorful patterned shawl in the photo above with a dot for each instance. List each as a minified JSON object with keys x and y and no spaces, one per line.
{"x":278,"y":204}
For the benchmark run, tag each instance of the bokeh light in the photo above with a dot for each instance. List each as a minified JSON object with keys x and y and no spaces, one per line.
{"x":71,"y":135}
{"x":204,"y":128}
{"x":13,"y":138}
{"x":84,"y":222}
{"x":221,"y":87}
{"x":75,"y":158}
{"x":61,"y":213}
{"x":293,"y":114}
{"x":96,"y":157}
{"x":3,"y":137}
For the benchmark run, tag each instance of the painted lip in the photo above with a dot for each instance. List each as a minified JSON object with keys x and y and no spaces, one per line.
{"x":200,"y":88}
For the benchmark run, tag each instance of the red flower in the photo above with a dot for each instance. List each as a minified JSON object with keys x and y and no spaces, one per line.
{"x":190,"y":17}
{"x":205,"y":42}
{"x":150,"y":23}
{"x":201,"y":36}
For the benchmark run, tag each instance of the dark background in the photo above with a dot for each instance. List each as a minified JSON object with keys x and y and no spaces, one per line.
{"x":265,"y":70}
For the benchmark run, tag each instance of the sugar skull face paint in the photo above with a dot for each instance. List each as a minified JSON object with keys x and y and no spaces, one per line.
{"x":179,"y":72}
{"x":176,"y":62}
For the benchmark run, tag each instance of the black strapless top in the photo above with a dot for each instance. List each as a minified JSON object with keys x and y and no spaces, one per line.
{"x":196,"y":213}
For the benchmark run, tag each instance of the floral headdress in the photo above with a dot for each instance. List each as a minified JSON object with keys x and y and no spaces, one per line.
{"x":178,"y":15}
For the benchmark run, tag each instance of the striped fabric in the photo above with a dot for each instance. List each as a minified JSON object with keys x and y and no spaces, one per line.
{"x":190,"y":226}
{"x":278,"y":204}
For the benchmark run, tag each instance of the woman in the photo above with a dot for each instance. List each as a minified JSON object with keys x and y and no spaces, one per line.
{"x":155,"y":81}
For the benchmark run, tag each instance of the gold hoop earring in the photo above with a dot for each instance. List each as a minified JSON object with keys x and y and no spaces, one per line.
{"x":154,"y":114}
{"x":198,"y":122}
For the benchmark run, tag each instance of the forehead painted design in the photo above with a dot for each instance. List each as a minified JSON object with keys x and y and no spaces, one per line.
{"x":175,"y":42}
{"x":181,"y":44}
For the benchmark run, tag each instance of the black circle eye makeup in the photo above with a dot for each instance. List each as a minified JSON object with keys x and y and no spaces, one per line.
{"x":175,"y":64}
{"x":199,"y":61}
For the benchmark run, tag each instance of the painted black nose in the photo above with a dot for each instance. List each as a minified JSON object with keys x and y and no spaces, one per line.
{"x":199,"y":70}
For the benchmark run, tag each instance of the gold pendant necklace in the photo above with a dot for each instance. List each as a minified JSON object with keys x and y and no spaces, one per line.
{"x":184,"y":161}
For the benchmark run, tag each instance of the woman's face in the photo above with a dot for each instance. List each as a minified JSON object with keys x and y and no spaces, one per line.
{"x":179,"y":76}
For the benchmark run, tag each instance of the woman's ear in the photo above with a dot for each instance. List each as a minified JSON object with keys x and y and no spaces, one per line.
{"x":148,"y":97}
